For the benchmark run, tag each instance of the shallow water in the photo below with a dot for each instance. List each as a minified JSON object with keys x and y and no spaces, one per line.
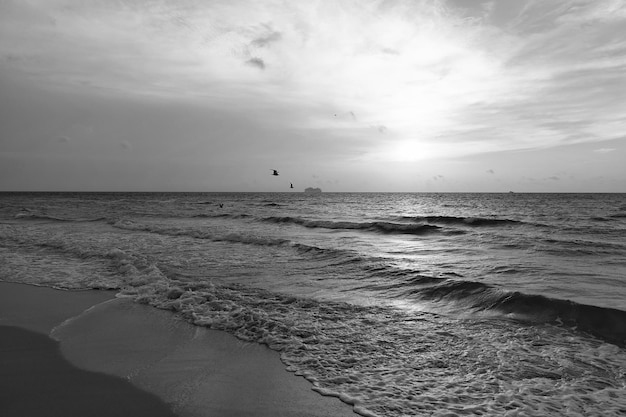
{"x":401,"y":304}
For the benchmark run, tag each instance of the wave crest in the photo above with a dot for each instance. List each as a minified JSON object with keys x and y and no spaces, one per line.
{"x":379,"y":226}
{"x":606,"y":323}
{"x":468,"y":221}
{"x":37,"y":216}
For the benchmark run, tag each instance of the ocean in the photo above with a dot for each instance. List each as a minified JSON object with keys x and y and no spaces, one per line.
{"x":401,"y":304}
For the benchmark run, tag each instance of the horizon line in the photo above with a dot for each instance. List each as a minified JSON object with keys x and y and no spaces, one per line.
{"x":303,"y":192}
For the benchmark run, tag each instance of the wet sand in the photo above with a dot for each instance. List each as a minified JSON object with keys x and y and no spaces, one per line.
{"x":107,"y":342}
{"x":36,"y":380}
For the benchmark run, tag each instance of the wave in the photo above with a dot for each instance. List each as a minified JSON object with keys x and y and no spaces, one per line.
{"x":467,"y":221}
{"x":603,"y":219}
{"x":332,"y":256}
{"x":340,"y":256}
{"x":37,"y":216}
{"x":403,"y":279}
{"x":606,"y":323}
{"x":222,"y":215}
{"x":380,"y":226}
{"x":560,"y":247}
{"x":322,"y":252}
{"x":251,"y":240}
{"x":200,"y":234}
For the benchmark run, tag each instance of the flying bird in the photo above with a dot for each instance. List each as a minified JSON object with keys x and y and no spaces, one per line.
{"x":275,"y":172}
{"x":291,"y":185}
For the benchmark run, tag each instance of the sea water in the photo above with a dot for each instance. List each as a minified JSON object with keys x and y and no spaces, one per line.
{"x":399,"y":304}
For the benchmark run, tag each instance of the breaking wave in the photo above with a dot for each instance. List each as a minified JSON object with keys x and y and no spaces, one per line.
{"x":468,"y":221}
{"x":379,"y":226}
{"x":606,"y":323}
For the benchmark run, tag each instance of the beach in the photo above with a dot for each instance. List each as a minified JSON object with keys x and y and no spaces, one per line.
{"x":89,"y":353}
{"x":378,"y":304}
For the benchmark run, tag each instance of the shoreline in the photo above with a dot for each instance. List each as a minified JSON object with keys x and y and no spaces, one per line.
{"x":154,"y":354}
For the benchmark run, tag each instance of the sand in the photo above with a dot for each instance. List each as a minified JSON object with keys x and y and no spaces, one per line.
{"x":35,"y":380}
{"x":101,"y":356}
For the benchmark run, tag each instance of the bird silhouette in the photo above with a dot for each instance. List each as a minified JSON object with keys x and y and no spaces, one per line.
{"x":275,"y":172}
{"x":291,"y":185}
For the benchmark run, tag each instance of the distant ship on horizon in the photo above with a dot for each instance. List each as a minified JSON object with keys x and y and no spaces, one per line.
{"x":311,"y":190}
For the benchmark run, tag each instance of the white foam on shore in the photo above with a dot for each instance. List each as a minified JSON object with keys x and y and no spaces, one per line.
{"x":56,"y":329}
{"x":387,"y":362}
{"x":201,"y":372}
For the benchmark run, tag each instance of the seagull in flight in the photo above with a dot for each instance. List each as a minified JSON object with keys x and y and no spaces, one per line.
{"x":275,"y":172}
{"x":291,"y":185}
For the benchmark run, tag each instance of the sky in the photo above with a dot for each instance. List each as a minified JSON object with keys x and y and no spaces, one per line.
{"x":344,"y":95}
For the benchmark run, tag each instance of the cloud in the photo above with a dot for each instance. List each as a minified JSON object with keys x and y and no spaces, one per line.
{"x":348,"y":117}
{"x":126,"y":145}
{"x":267,"y":39}
{"x":452,"y":77}
{"x":490,"y":171}
{"x":604,"y":150}
{"x":63,"y":139}
{"x":10,"y":57}
{"x":389,"y":51}
{"x":256,"y":62}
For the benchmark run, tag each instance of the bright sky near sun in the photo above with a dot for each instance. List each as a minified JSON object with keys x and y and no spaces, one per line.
{"x":345,"y":95}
